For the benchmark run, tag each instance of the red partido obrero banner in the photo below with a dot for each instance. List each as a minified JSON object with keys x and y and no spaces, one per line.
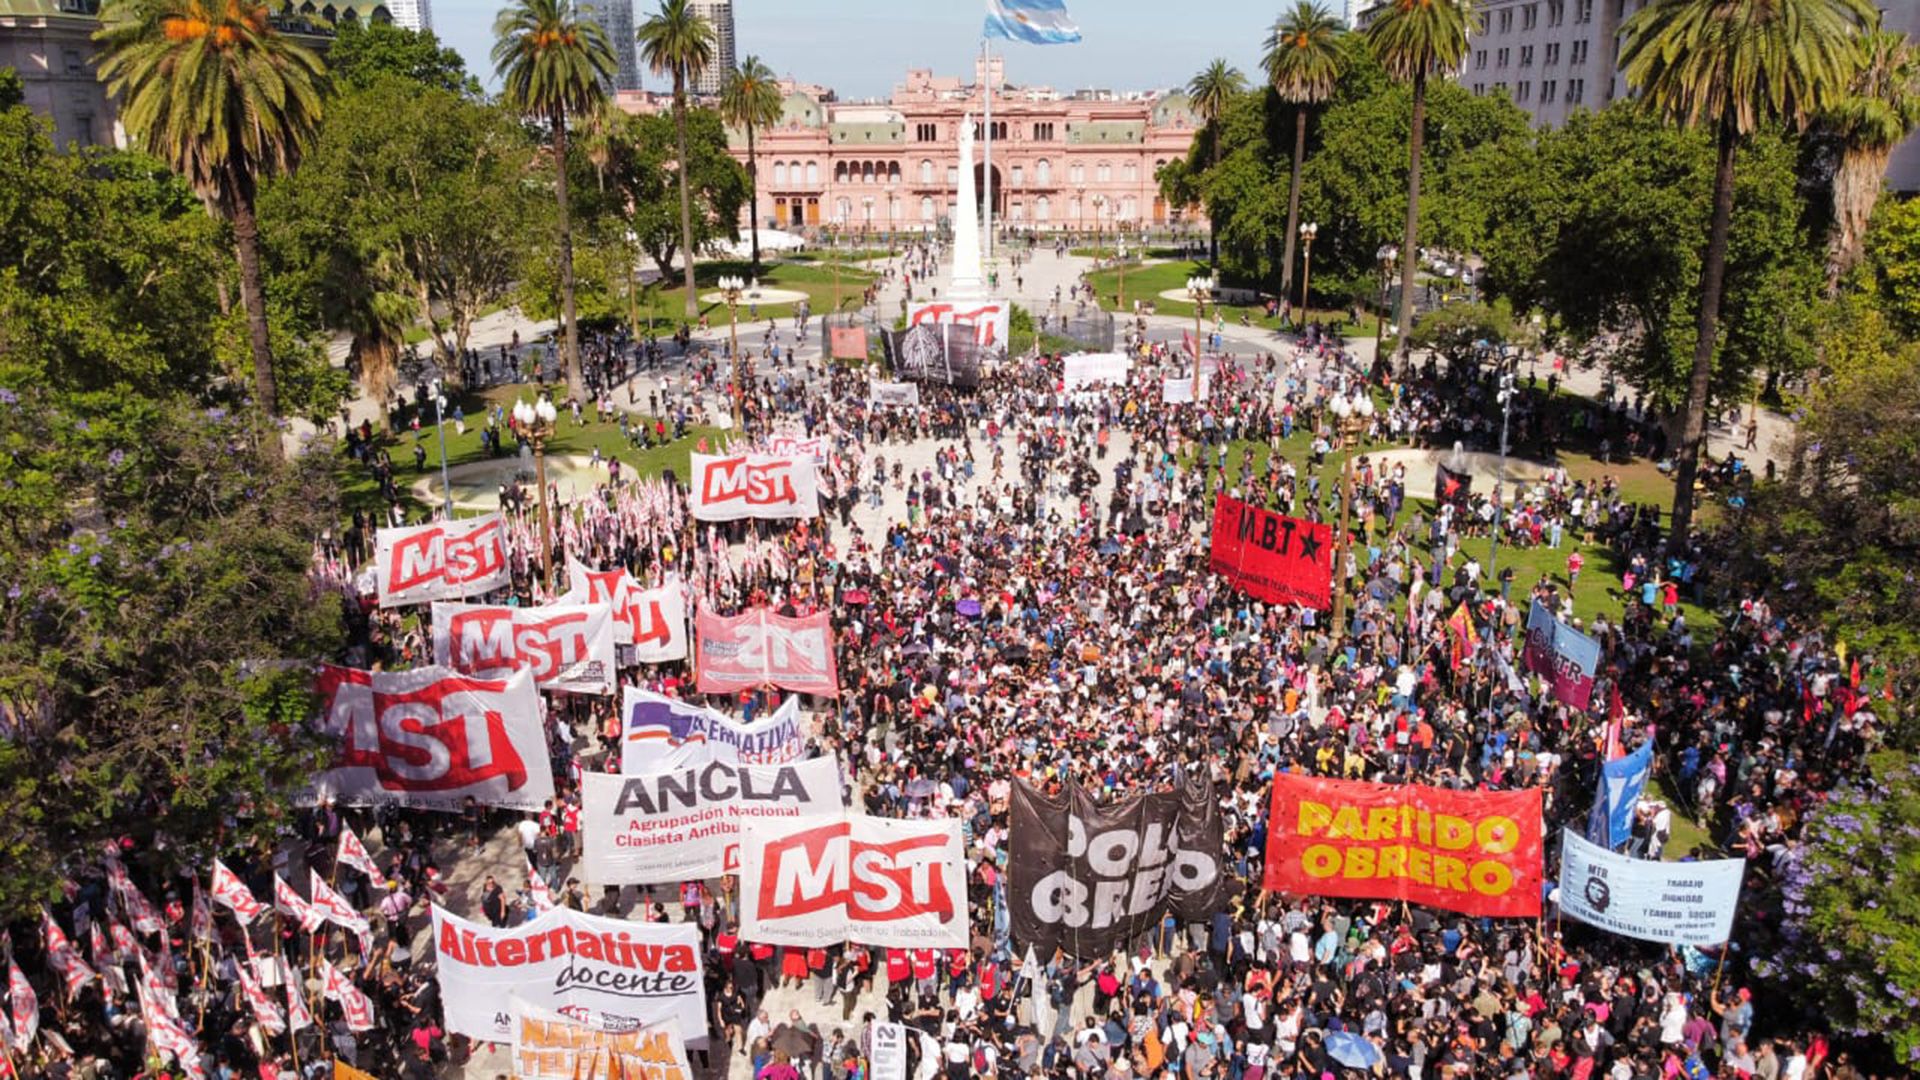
{"x":1473,"y":852}
{"x":1271,"y":556}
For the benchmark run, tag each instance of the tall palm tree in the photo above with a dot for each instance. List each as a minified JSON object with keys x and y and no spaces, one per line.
{"x":1211,"y":91}
{"x":1880,"y":110}
{"x":1303,"y":63}
{"x":1414,"y":39}
{"x":554,"y":63}
{"x":751,"y":99}
{"x":678,"y":40}
{"x":1738,"y":65}
{"x":209,"y":87}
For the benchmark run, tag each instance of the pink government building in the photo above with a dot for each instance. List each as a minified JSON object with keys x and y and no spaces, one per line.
{"x":1061,"y":162}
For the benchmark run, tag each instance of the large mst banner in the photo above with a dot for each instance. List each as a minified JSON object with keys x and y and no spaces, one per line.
{"x":447,"y":560}
{"x":1474,"y":852}
{"x":1271,"y":556}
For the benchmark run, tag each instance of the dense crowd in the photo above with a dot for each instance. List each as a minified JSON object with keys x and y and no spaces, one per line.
{"x":1043,"y":611}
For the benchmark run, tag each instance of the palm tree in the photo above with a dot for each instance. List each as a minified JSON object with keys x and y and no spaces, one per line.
{"x":1738,"y":65}
{"x":1211,"y":92}
{"x":678,"y":40}
{"x":751,"y":99}
{"x":553,"y":63}
{"x":1303,"y":63}
{"x":1414,"y":39}
{"x":1880,"y":110}
{"x":209,"y":87}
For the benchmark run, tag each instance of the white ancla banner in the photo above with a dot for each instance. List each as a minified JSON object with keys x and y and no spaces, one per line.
{"x":684,"y":824}
{"x":1689,"y":903}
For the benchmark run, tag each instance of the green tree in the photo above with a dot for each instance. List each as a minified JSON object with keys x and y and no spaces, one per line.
{"x":1880,"y":109}
{"x":1735,"y":66}
{"x":364,"y":51}
{"x":554,"y":63}
{"x":1457,"y":331}
{"x":1892,"y":263}
{"x":751,"y":99}
{"x":1302,"y":62}
{"x":678,"y":41}
{"x":218,"y":94}
{"x":1212,"y":90}
{"x":1414,"y":39}
{"x":12,"y":90}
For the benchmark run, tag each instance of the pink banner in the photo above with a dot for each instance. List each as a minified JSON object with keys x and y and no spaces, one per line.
{"x":566,"y":646}
{"x":759,"y":648}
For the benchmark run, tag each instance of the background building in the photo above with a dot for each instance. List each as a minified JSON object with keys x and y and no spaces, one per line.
{"x":411,"y":14}
{"x":616,"y":18}
{"x":1079,"y":162}
{"x":720,"y":14}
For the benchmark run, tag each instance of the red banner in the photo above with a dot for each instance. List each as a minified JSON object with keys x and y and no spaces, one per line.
{"x":447,"y":560}
{"x":847,"y":342}
{"x":1271,"y":556}
{"x":760,"y":648}
{"x":1473,"y":852}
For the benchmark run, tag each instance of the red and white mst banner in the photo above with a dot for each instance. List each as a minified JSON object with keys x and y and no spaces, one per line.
{"x":759,"y":648}
{"x":566,"y":646}
{"x":885,"y":882}
{"x":774,"y":486}
{"x":653,"y":621}
{"x":431,"y":737}
{"x":447,"y":560}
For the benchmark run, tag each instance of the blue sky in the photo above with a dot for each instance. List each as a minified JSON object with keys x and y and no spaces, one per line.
{"x":863,"y":47}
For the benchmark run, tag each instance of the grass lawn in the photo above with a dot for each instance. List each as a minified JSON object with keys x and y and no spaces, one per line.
{"x":847,"y":255}
{"x":664,"y":302}
{"x":359,"y":491}
{"x":1146,"y":281}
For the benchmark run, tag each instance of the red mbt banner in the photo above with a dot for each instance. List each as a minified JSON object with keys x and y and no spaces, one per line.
{"x":1474,"y":852}
{"x":760,"y":648}
{"x":447,"y":560}
{"x":1271,"y":556}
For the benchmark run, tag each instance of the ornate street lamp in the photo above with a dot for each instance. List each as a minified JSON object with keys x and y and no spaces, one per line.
{"x":731,"y":287}
{"x":536,"y":422}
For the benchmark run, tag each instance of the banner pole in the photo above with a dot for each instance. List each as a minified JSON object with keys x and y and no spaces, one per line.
{"x":1725,"y":948}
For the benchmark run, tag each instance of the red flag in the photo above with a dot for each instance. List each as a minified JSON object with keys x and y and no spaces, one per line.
{"x":334,"y":907}
{"x":62,"y":955}
{"x":288,"y":902}
{"x":26,"y":1007}
{"x":354,"y":1003}
{"x":201,"y":924}
{"x":229,"y":890}
{"x":354,"y":854}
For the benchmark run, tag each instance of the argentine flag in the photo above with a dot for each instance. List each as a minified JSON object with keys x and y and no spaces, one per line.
{"x":1036,"y":22}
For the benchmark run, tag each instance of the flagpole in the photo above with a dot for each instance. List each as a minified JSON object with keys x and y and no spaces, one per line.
{"x":986,"y":89}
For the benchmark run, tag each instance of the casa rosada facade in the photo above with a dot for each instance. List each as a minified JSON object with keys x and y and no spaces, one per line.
{"x":1061,"y":162}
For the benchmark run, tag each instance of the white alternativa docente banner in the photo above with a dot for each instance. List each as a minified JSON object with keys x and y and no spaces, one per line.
{"x":771,"y":486}
{"x":572,"y":963}
{"x":684,"y":825}
{"x":885,"y":882}
{"x":1689,"y":903}
{"x":431,"y":737}
{"x":447,"y":560}
{"x":565,"y":646}
{"x":1082,"y":370}
{"x":554,"y":1046}
{"x":662,"y":733}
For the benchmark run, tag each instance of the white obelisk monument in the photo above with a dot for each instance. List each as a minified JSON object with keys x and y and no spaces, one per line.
{"x":967,"y":284}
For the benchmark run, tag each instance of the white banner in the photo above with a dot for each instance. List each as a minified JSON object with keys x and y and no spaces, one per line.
{"x":430,"y":737}
{"x":1178,"y":389}
{"x":684,"y":825}
{"x":1690,"y":903}
{"x":662,"y":733}
{"x":572,"y":963}
{"x":880,"y":393}
{"x":785,"y":444}
{"x":753,"y":486}
{"x":879,"y":881}
{"x":1082,"y":370}
{"x":565,"y":646}
{"x":986,"y":320}
{"x":652,"y":621}
{"x":448,"y":560}
{"x":554,"y":1046}
{"x":888,"y":1056}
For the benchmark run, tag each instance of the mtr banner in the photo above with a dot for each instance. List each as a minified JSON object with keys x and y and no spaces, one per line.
{"x":1478,"y":853}
{"x":447,"y":560}
{"x":612,"y":973}
{"x":770,"y":486}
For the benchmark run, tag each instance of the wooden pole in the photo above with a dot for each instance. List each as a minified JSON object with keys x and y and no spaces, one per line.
{"x":1725,"y":948}
{"x":1340,"y":544}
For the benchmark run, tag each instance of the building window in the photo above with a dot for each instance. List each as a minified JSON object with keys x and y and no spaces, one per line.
{"x":1523,"y":92}
{"x":1043,"y":172}
{"x":1041,"y":211}
{"x":1500,"y":59}
{"x":893,"y":172}
{"x":1579,"y":52}
{"x":1480,"y":60}
{"x":926,"y":171}
{"x":1076,"y":174}
{"x":1576,"y":91}
{"x":779,"y":174}
{"x":839,"y":172}
{"x":1130,"y":172}
{"x":953,"y":176}
{"x":842,"y":210}
{"x":1583,"y":11}
{"x":1043,"y":132}
{"x":1128,"y":208}
{"x":926,"y":208}
{"x":925,"y":132}
{"x":1104,"y":173}
{"x":1506,"y":21}
{"x":1547,"y":92}
{"x":1073,"y":208}
{"x":1529,"y":16}
{"x":1556,"y":12}
{"x":813,"y":174}
{"x":1553,"y":53}
{"x":1019,"y":175}
{"x":1526,"y":56}
{"x":1479,"y":88}
{"x":75,"y":65}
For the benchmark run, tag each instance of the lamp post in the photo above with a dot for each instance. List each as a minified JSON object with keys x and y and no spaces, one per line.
{"x":1499,"y":499}
{"x":1199,"y":288}
{"x":1099,"y":222}
{"x":440,"y":429}
{"x":731,"y":286}
{"x":1120,"y":299}
{"x":1350,"y":415}
{"x":537,"y":421}
{"x":1308,"y":230}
